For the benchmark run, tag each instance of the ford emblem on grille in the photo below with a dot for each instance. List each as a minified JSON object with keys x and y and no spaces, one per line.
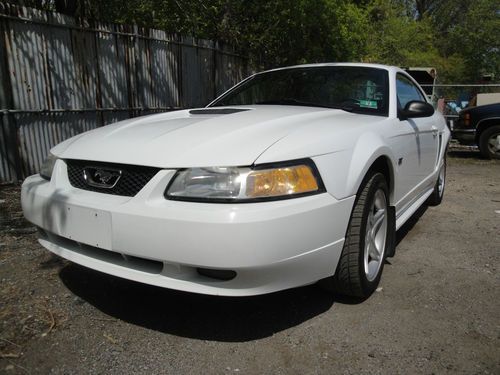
{"x":101,"y":177}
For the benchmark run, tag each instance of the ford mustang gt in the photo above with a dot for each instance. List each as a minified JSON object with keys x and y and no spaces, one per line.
{"x":293,"y":176}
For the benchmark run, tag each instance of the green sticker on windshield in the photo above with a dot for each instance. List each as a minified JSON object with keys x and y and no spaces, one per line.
{"x":368,"y":104}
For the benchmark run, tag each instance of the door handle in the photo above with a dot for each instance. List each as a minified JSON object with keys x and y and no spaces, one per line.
{"x":434,"y":130}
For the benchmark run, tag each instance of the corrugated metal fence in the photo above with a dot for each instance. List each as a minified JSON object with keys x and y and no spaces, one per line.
{"x":59,"y":78}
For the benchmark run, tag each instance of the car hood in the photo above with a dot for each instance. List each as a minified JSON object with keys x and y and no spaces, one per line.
{"x":206,"y":137}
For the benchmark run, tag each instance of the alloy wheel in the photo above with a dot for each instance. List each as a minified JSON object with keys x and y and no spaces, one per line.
{"x":494,"y":144}
{"x":376,"y":235}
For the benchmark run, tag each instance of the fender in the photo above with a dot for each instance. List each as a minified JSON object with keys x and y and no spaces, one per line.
{"x":344,"y":171}
{"x":59,"y":149}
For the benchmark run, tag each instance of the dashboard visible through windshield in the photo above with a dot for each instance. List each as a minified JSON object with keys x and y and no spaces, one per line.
{"x":350,"y":88}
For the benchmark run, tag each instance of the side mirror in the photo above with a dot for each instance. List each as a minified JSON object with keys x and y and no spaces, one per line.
{"x":415,"y":109}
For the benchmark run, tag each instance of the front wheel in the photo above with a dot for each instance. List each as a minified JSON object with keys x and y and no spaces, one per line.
{"x":367,"y":240}
{"x":489,"y":142}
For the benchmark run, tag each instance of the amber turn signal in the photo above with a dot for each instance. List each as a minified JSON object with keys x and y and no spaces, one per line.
{"x":467,"y":119}
{"x":281,"y":181}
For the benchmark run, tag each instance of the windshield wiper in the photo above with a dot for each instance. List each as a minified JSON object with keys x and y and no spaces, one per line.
{"x":349,"y":105}
{"x":291,"y":101}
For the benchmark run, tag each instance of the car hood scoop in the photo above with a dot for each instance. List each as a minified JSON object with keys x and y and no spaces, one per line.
{"x":217,"y":111}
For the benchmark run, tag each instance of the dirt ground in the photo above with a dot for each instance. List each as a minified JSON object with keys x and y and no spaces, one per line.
{"x":437,"y":310}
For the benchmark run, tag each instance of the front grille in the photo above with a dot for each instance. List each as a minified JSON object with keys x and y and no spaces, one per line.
{"x":132,"y":180}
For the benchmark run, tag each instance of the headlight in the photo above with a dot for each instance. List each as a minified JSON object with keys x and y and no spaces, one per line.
{"x":235,"y":184}
{"x":48,"y":167}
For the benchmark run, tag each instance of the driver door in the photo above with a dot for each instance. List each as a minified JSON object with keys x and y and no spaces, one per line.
{"x":425,"y":131}
{"x":417,"y":144}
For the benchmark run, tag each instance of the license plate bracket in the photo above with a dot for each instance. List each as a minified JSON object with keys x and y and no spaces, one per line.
{"x":86,"y":225}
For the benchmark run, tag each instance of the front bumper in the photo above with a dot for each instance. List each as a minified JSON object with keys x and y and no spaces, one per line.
{"x":271,"y":246}
{"x":465,"y":136}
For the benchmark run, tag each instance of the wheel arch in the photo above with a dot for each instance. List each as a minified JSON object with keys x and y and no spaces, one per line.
{"x":485,"y":124}
{"x":383,"y":165}
{"x":343,"y":172}
{"x":380,"y":159}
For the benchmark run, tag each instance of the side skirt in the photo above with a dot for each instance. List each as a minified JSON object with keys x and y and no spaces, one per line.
{"x":404,"y":216}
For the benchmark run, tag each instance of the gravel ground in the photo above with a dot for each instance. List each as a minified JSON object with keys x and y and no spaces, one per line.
{"x":436,"y":312}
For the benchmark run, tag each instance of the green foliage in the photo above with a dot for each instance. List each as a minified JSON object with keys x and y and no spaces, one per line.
{"x":459,"y":38}
{"x":477,"y":39}
{"x":394,"y":37}
{"x":401,"y":40}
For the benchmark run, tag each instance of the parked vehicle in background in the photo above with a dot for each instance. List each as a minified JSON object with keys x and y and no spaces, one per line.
{"x":427,"y":78}
{"x":480,"y":125}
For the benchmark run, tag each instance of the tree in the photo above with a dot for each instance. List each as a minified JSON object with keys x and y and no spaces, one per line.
{"x":476,"y":38}
{"x":460,"y":39}
{"x":466,"y":35}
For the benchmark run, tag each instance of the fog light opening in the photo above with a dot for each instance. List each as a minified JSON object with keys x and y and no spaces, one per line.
{"x":223,"y":275}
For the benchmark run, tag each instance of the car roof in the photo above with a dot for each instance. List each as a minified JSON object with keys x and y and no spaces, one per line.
{"x":361,"y":65}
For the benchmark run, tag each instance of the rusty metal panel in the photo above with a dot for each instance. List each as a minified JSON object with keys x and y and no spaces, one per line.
{"x":163,"y":71}
{"x":197,"y":76}
{"x":143,"y":66}
{"x":25,"y":43}
{"x":230,"y":69}
{"x":61,"y":77}
{"x":111,"y":68}
{"x":84,"y":58}
{"x":71,"y":65}
{"x":38,"y":133}
{"x":8,"y":150}
{"x":127,"y":46}
{"x":9,"y":156}
{"x":114,"y":116}
{"x":5,"y":89}
{"x":206,"y":58}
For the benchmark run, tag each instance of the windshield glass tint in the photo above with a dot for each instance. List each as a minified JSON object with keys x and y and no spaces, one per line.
{"x":354,"y":89}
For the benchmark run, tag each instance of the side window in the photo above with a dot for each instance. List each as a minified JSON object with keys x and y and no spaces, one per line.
{"x":407,"y":91}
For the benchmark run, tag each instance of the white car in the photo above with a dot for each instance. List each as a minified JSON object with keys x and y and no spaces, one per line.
{"x":295,"y":175}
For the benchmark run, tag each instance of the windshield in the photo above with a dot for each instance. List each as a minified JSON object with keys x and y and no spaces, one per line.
{"x":353,"y":89}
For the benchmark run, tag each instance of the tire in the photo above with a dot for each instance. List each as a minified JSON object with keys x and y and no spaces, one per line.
{"x":356,"y":275}
{"x":489,"y":142}
{"x":437,"y":195}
